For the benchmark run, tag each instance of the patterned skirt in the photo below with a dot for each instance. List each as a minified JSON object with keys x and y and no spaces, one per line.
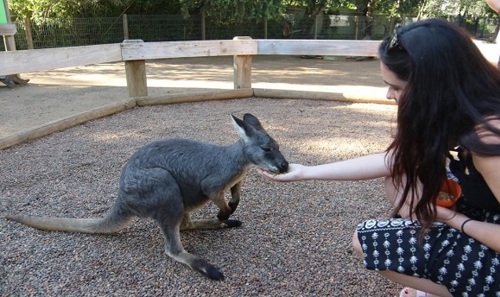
{"x":444,"y":255}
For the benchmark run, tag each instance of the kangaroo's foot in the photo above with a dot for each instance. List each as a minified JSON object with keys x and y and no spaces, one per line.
{"x":174,"y":248}
{"x":197,"y":264}
{"x":207,"y":269}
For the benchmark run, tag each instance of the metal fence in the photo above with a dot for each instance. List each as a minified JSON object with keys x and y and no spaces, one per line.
{"x":88,"y":31}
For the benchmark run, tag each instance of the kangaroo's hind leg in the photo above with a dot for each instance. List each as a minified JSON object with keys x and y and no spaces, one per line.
{"x":170,"y":225}
{"x":165,"y":205}
{"x":154,"y":193}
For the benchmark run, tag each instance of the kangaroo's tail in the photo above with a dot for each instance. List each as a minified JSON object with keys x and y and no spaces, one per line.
{"x":116,"y":220}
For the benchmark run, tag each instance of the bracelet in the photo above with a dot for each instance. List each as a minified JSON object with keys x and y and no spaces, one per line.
{"x":463,"y":224}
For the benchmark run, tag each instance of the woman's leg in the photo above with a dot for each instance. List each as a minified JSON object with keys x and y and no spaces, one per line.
{"x":420,"y":284}
{"x":393,"y":194}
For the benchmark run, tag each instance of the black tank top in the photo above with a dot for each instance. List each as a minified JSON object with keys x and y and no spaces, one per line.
{"x":475,"y":191}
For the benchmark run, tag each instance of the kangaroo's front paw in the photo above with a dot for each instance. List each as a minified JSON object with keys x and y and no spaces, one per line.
{"x":233,"y":205}
{"x":222,"y":216}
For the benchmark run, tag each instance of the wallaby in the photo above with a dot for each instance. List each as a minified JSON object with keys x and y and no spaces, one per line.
{"x":167,"y":180}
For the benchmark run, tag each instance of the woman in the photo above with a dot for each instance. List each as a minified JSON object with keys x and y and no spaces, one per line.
{"x":448,"y":98}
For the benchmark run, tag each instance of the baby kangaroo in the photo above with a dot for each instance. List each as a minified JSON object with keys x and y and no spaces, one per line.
{"x":167,"y":180}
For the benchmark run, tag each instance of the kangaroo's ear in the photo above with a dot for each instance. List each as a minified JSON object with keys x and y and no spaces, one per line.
{"x":252,"y":121}
{"x":242,"y":128}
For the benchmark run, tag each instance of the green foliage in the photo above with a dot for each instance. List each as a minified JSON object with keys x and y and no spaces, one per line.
{"x":234,"y":11}
{"x":226,"y":12}
{"x":457,"y":8}
{"x":40,"y":10}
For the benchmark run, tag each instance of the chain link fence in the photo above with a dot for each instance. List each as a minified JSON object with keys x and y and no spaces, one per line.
{"x":88,"y":31}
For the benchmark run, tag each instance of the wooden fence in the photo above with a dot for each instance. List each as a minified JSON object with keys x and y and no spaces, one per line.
{"x":135,"y":53}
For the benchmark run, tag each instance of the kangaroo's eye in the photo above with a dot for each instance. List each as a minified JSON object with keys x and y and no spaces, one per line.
{"x":266,"y":149}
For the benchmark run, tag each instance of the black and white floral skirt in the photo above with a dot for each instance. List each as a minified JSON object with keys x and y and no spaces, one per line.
{"x":444,"y":255}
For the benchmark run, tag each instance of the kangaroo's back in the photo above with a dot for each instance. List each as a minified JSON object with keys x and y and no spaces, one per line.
{"x":189,"y":159}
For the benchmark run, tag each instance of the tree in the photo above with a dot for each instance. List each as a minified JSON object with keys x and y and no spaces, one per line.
{"x":234,"y":11}
{"x":40,"y":10}
{"x":312,"y":8}
{"x":468,"y":13}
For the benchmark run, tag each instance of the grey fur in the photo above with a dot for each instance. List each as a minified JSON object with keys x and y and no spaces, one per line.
{"x":166,"y":180}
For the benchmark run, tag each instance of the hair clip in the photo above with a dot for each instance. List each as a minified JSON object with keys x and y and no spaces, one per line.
{"x":394,"y":42}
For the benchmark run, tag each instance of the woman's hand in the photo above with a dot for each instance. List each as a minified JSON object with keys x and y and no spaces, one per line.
{"x":295,"y":173}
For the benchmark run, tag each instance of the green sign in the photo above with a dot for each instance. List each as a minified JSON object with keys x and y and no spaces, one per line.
{"x":3,"y":13}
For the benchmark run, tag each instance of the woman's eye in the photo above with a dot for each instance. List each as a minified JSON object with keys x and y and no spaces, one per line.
{"x":266,"y":149}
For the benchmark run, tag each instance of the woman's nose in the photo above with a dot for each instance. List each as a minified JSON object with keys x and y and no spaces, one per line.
{"x":389,"y":95}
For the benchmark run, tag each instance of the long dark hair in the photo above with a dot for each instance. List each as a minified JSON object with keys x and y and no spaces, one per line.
{"x":451,"y":88}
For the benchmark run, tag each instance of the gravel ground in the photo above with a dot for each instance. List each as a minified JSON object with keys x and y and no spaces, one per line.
{"x":295,"y":239}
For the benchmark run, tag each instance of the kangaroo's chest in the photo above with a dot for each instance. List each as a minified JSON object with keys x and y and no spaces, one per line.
{"x":237,"y":179}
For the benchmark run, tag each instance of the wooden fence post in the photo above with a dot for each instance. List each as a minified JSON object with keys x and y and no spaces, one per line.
{"x":265,"y":28}
{"x":7,"y":29}
{"x":203,"y":26}
{"x":242,"y":65}
{"x":136,"y":78}
{"x":135,"y":72}
{"x":125,"y":26}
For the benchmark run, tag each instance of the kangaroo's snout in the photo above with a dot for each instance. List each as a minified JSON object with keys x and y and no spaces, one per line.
{"x":283,"y":167}
{"x":278,"y":164}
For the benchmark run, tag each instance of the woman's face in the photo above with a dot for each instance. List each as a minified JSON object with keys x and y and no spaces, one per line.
{"x":396,"y":86}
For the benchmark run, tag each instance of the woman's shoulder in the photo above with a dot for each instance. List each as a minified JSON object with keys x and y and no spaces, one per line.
{"x":488,"y":135}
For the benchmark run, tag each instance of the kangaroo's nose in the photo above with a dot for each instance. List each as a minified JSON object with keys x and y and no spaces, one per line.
{"x":283,"y":166}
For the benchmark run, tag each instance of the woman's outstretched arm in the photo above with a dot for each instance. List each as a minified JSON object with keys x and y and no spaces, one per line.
{"x":362,"y":168}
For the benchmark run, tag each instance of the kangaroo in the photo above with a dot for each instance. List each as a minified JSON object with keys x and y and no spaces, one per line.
{"x":167,"y":180}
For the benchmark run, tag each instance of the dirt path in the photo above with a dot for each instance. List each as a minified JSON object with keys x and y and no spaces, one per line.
{"x":65,"y":92}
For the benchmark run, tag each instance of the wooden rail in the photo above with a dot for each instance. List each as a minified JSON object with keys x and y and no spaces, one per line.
{"x":23,"y":61}
{"x":135,"y":53}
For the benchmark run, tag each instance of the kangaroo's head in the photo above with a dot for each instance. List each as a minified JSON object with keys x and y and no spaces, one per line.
{"x":260,"y":148}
